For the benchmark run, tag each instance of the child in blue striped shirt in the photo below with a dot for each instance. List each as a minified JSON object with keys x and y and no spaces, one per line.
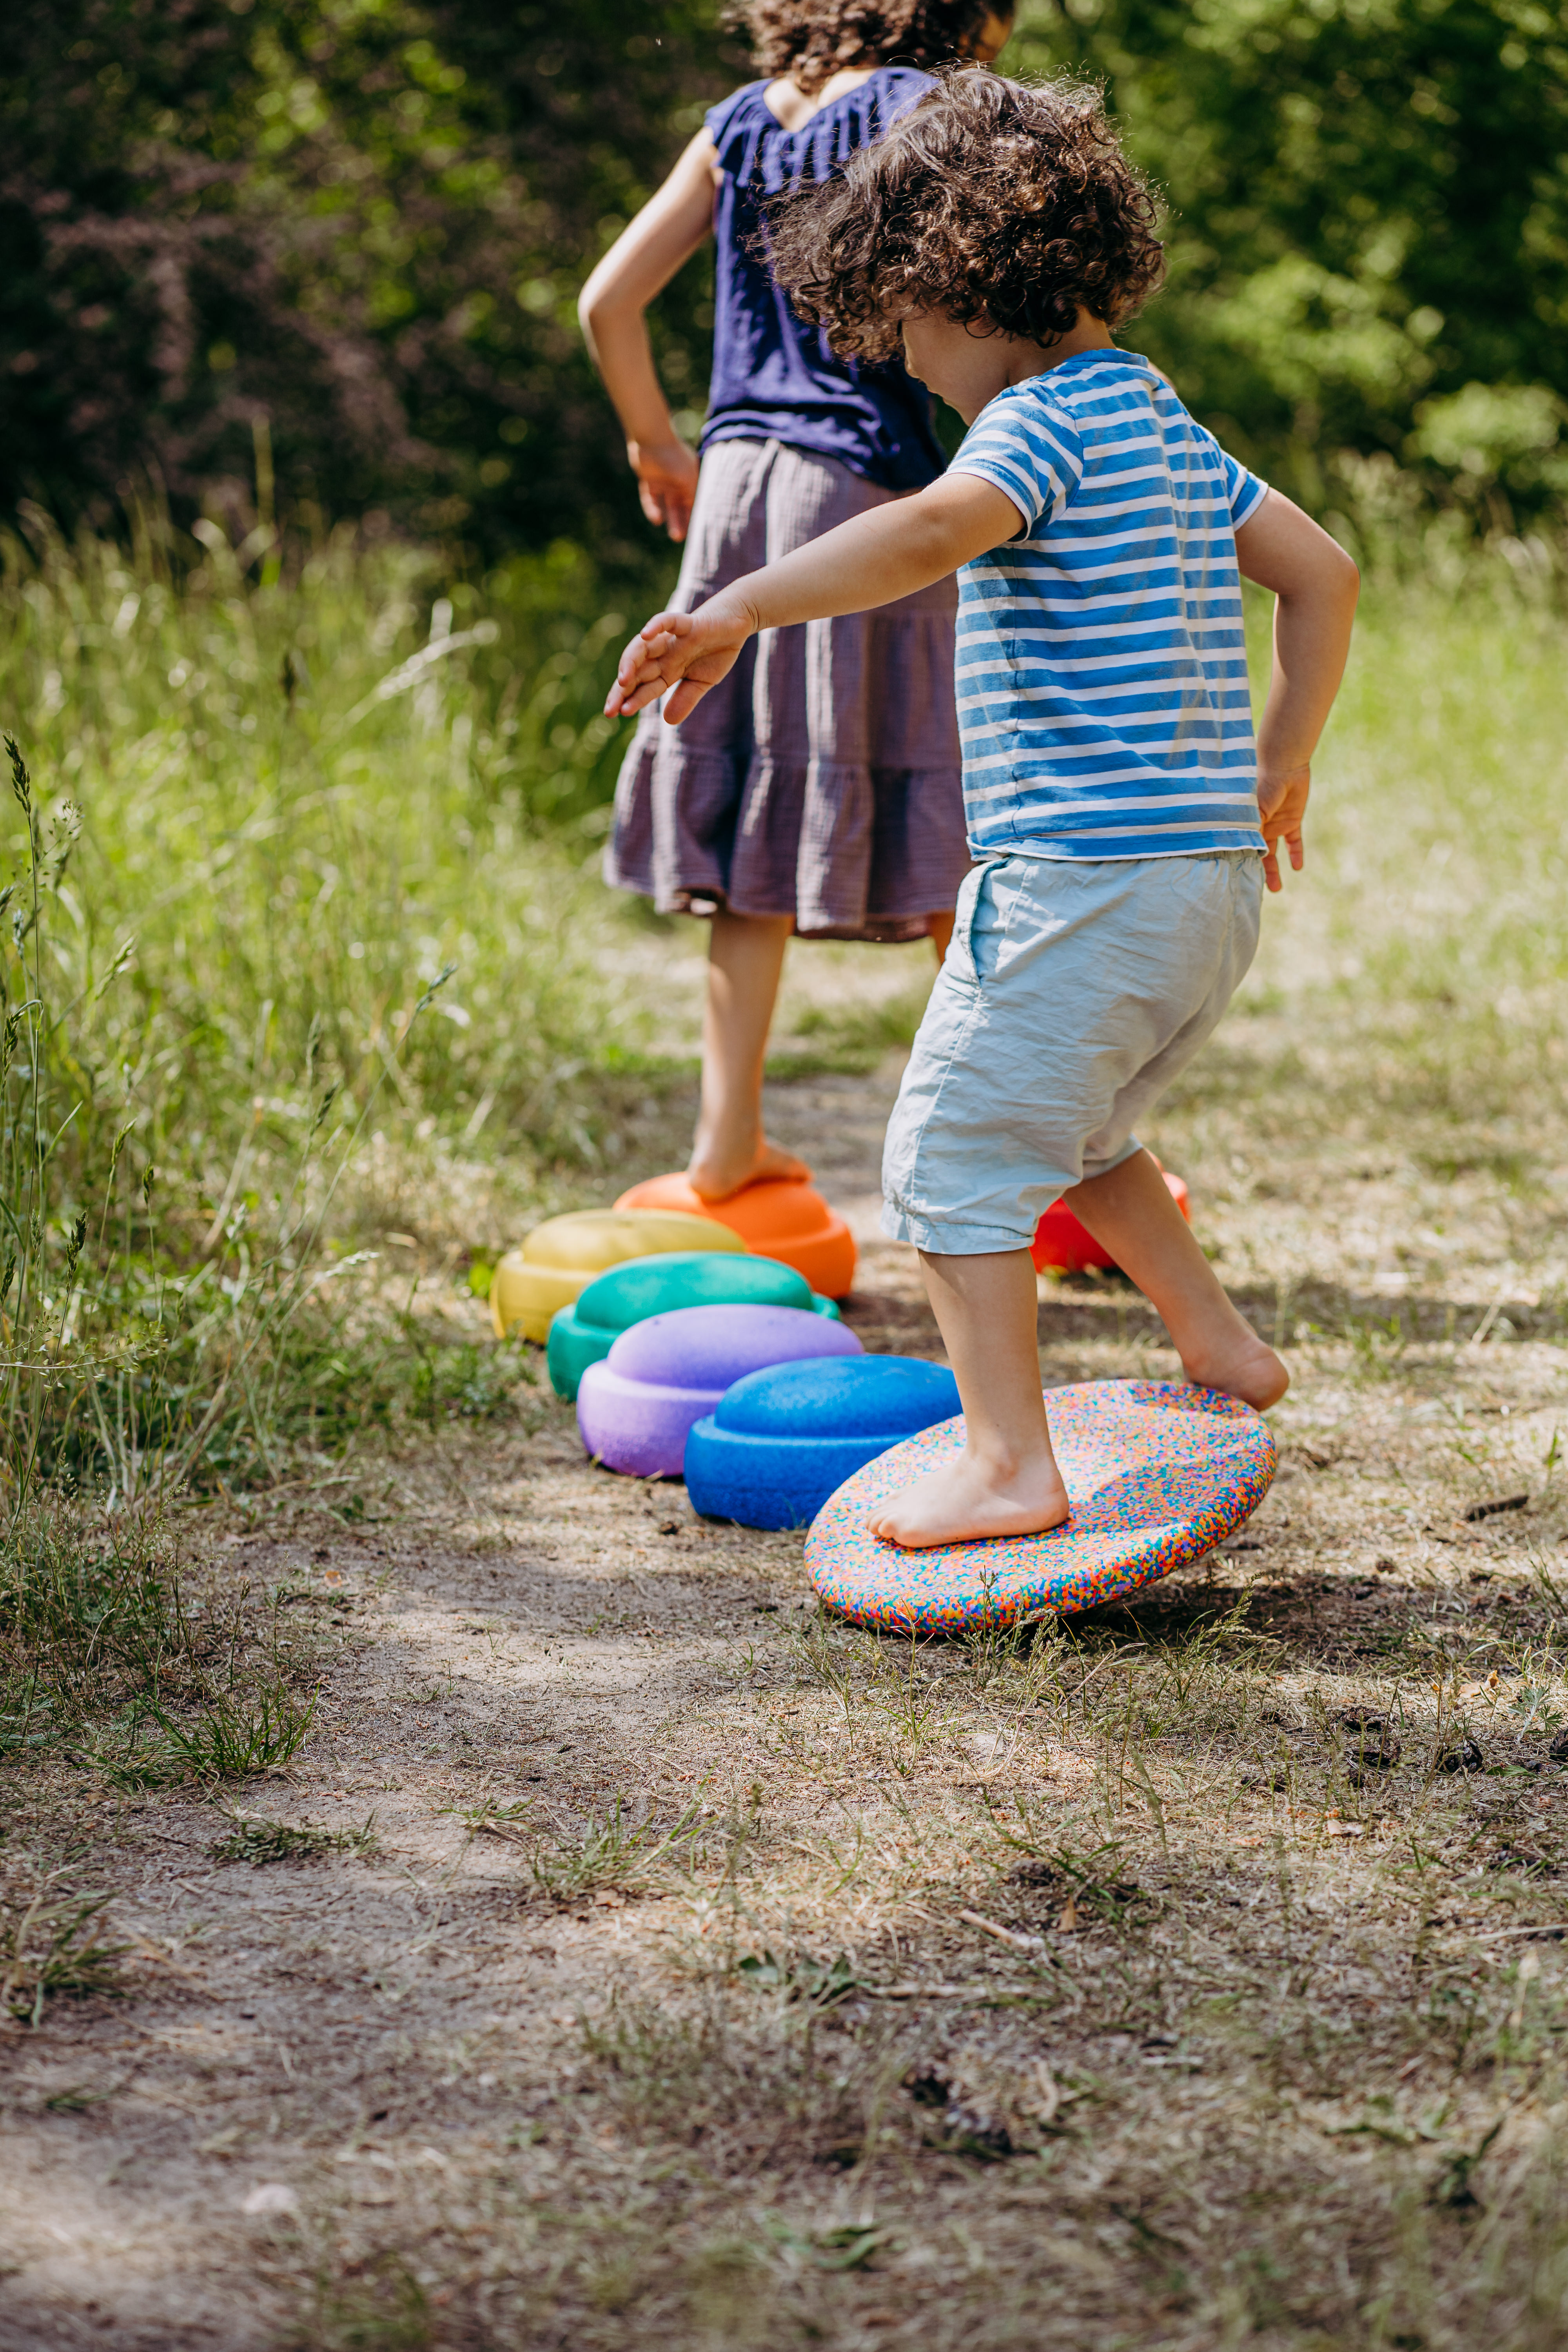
{"x":1123,"y":817}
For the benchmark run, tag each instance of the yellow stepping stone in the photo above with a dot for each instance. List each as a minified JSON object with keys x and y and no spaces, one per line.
{"x":560,"y":1257}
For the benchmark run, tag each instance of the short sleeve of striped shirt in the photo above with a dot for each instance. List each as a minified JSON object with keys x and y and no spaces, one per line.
{"x":1038,"y":468}
{"x":1245,"y":492}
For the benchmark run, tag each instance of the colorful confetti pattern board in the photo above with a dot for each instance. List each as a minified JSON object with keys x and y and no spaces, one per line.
{"x":1158,"y":1474}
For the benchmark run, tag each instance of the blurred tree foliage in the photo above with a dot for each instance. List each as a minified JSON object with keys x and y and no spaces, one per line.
{"x":1368,"y":246}
{"x":366,"y":222}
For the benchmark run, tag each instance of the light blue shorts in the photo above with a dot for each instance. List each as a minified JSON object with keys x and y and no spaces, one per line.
{"x":1074,"y":991}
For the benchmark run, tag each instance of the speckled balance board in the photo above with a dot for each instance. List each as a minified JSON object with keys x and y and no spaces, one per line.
{"x":1157,"y":1473}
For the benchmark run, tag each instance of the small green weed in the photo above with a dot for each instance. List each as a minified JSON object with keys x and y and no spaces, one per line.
{"x":141,"y":1764}
{"x":48,"y":1947}
{"x":500,"y":1820}
{"x":846,"y":2248}
{"x":1454,"y":2185}
{"x":1185,"y":1662}
{"x":1085,"y":1877}
{"x":611,"y":1852}
{"x":827,"y":1657}
{"x":913,"y":1706}
{"x":237,"y":1736}
{"x":1377,"y":1347}
{"x":79,"y":2098}
{"x":344,"y":1376}
{"x":26,"y":1721}
{"x":821,"y":1982}
{"x":1001,"y":1649}
{"x":912,"y":1701}
{"x":255,"y":1840}
{"x":383,"y":2309}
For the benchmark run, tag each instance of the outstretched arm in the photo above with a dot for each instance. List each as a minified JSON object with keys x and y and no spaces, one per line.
{"x":1316,"y":585}
{"x":878,"y":557}
{"x":640,"y":264}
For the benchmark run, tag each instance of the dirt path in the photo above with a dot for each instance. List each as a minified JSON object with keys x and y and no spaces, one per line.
{"x":783,"y":2082}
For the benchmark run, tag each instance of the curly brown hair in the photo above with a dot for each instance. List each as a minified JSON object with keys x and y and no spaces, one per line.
{"x":1000,"y":204}
{"x":811,"y":40}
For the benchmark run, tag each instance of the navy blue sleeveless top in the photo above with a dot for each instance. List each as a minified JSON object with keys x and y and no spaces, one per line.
{"x":774,"y":376}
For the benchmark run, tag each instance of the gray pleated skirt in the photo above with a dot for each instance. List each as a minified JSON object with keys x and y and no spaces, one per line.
{"x":821,"y":778}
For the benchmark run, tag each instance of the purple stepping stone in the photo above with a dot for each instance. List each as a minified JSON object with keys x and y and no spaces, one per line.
{"x":635,"y":1407}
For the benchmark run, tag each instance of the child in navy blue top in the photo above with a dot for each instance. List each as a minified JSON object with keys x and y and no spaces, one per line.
{"x":1123,"y":815}
{"x":775,"y":377}
{"x":818,"y":792}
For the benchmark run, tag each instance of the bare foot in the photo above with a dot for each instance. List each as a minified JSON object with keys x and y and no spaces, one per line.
{"x":1240,"y":1367}
{"x":713,"y":1176}
{"x":965,"y":1501}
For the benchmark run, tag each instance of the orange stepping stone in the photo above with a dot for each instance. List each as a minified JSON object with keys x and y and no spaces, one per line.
{"x":780,"y":1217}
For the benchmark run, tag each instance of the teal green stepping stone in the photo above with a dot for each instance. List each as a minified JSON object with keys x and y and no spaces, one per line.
{"x":585,"y":1332}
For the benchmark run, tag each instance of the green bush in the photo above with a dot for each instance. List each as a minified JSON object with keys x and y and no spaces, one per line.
{"x":1368,"y":214}
{"x":363,"y":228}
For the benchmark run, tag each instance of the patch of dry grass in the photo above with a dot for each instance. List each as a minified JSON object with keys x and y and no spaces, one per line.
{"x":1189,"y":1975}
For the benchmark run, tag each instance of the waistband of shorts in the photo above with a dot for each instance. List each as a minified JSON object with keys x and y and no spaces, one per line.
{"x":1037,"y":854}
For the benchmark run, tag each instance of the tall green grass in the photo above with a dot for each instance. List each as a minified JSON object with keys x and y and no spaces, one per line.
{"x":298,"y":891}
{"x":1419,"y":968}
{"x":305,"y":939}
{"x":300,"y":799}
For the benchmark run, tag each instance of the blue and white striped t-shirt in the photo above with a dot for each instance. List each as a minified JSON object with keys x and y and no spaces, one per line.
{"x":1101,"y":670}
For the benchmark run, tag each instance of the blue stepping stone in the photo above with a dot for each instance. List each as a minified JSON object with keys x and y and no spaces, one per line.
{"x":782,"y":1440}
{"x":583,"y":1333}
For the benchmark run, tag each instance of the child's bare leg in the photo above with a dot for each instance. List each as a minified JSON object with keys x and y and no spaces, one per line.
{"x":745,"y":958}
{"x":940,"y":934}
{"x":1006,"y":1482}
{"x":1130,"y":1212}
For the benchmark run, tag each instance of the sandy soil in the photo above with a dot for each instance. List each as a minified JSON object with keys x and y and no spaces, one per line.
{"x":414,"y":2096}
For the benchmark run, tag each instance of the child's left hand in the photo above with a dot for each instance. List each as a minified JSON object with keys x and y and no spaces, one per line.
{"x":1281,"y":807}
{"x":687,"y":651}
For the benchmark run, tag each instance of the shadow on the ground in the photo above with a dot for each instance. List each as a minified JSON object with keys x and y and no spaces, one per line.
{"x":1107,"y":1308}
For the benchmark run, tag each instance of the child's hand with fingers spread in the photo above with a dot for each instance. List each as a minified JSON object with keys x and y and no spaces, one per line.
{"x":1281,"y":806}
{"x":687,"y":651}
